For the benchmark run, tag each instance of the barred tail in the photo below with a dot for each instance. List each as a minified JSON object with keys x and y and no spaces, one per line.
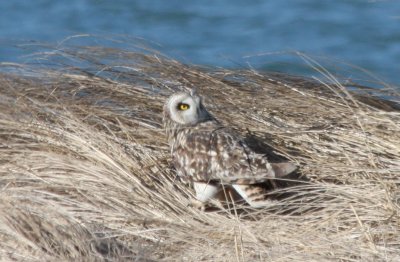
{"x":254,"y":195}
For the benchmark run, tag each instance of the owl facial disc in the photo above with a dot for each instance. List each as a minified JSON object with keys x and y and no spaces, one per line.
{"x":186,"y":109}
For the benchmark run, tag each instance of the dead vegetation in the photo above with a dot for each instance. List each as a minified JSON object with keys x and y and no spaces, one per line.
{"x":85,"y":173}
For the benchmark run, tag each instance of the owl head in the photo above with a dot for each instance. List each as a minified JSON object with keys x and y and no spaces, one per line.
{"x":186,"y":109}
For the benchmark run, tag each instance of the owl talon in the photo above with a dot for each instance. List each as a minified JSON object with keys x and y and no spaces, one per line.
{"x":198,"y":204}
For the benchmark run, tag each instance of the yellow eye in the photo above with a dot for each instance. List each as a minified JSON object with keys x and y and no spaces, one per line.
{"x":182,"y":106}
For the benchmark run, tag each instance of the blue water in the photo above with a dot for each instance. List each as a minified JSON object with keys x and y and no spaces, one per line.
{"x":228,"y":33}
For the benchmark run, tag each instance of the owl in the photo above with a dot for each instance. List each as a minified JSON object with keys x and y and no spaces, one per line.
{"x":212,"y":156}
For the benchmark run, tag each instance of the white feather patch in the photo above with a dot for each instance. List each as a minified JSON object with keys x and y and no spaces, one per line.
{"x":205,"y":191}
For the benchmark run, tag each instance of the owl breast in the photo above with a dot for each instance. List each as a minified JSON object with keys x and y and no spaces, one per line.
{"x":193,"y":152}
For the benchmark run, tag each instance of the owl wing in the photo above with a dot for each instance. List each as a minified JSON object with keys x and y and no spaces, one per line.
{"x":223,"y":156}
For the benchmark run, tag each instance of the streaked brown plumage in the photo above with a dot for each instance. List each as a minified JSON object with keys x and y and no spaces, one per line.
{"x":209,"y":154}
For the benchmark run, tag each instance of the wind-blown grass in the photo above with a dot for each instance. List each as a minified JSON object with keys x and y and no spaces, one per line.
{"x":85,"y":170}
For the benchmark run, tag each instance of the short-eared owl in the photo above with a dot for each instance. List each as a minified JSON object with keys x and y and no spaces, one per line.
{"x":211,"y":155}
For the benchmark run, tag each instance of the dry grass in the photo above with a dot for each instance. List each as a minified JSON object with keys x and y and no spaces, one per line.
{"x":85,"y":173}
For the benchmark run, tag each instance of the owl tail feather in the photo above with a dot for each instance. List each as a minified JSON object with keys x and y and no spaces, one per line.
{"x":255,"y":196}
{"x":283,"y":169}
